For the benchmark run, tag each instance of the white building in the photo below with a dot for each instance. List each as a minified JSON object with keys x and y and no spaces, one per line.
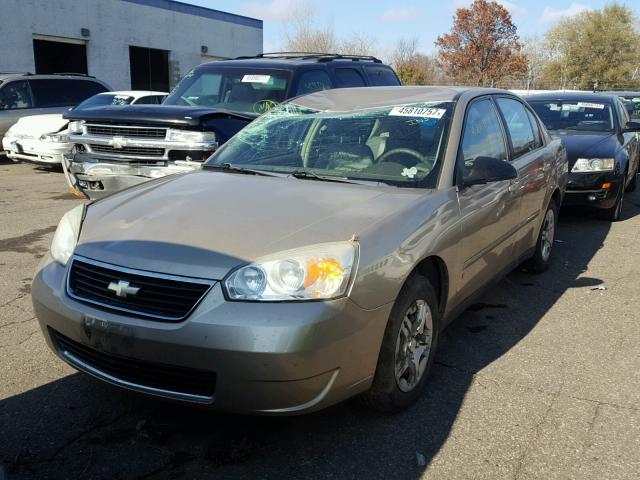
{"x":138,"y":44}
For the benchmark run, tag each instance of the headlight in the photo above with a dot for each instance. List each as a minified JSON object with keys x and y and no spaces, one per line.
{"x":317,"y":272}
{"x":76,"y":126}
{"x":55,"y":137}
{"x":190,"y":136}
{"x":66,"y":236}
{"x":593,"y":165}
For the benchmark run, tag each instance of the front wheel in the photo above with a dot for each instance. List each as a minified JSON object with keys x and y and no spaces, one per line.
{"x":634,"y":182}
{"x":614,"y":213}
{"x":408,"y":348}
{"x":539,"y":262}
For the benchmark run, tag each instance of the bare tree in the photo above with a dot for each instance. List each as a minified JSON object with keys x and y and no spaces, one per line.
{"x":415,"y":68}
{"x":539,"y":53}
{"x":358,"y":44}
{"x":301,"y":34}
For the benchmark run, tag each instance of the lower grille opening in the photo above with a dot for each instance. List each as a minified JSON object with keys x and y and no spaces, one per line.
{"x":137,"y":372}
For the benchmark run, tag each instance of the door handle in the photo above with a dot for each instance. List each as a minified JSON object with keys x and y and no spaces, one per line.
{"x":514,"y":184}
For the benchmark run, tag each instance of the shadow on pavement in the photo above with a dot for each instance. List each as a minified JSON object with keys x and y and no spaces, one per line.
{"x":77,"y":427}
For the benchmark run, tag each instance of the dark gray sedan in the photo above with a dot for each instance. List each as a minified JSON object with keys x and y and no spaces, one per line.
{"x":316,"y":257}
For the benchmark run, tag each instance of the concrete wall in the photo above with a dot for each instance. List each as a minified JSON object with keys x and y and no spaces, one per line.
{"x":116,"y":24}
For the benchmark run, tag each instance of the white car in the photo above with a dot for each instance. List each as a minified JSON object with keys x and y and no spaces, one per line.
{"x":44,"y":139}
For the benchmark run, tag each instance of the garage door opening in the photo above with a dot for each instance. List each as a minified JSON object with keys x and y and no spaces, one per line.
{"x":59,"y":57}
{"x":149,"y":69}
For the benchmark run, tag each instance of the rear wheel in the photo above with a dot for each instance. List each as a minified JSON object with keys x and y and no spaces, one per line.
{"x":539,"y":262}
{"x":408,"y":348}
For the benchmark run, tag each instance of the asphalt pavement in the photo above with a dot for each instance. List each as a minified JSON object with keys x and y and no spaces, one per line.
{"x":539,"y":380}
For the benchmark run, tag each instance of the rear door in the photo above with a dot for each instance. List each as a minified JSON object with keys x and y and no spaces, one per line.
{"x":532,"y":162}
{"x":57,"y":94}
{"x":630,"y":139}
{"x":490,"y":213}
{"x":16,"y":101}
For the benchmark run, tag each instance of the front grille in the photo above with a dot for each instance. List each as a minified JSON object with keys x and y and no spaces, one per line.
{"x":146,"y":151}
{"x":162,"y":297}
{"x":168,"y":378}
{"x":126,"y":131}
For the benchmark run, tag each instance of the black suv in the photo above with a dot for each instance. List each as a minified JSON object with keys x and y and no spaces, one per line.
{"x":119,"y":147}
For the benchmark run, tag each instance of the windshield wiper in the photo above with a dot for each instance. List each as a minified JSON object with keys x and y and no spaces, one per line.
{"x":227,"y":167}
{"x":306,"y":175}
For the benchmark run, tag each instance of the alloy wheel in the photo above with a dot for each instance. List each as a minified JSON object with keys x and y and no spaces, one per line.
{"x":413,"y":345}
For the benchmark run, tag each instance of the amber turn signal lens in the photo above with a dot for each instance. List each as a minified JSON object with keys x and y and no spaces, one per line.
{"x":606,"y":185}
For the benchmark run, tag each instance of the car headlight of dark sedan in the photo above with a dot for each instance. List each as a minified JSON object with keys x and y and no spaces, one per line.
{"x":66,"y":237}
{"x":586,"y":165}
{"x":316,"y":272}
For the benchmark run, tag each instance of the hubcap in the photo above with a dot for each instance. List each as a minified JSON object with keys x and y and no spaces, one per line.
{"x":413,"y":345}
{"x":548,"y":234}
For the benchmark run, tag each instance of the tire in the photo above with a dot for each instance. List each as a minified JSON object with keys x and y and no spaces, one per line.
{"x":614,"y":213}
{"x":633,"y":183}
{"x":539,"y":262}
{"x":389,"y":393}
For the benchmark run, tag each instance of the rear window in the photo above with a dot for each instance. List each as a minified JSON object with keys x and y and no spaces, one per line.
{"x":380,"y":76}
{"x":348,"y":77}
{"x":106,"y":100}
{"x":63,"y":92}
{"x":579,"y":116}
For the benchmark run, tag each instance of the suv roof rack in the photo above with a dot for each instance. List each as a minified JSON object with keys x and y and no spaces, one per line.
{"x":320,"y":57}
{"x":72,"y":74}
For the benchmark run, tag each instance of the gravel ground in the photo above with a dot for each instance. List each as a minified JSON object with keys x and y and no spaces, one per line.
{"x":541,"y":380}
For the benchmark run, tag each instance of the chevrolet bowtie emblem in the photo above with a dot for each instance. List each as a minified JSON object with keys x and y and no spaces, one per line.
{"x":118,"y":142}
{"x":123,"y":289}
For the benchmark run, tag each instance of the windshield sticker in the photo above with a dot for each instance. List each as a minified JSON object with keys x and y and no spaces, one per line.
{"x":409,"y":172}
{"x":420,"y":112}
{"x":256,"y":78}
{"x":599,"y":106}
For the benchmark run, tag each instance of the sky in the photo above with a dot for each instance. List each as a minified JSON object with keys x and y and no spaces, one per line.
{"x":387,"y":21}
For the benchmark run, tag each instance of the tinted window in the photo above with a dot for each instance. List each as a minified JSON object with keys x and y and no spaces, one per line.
{"x":15,"y":95}
{"x":63,"y":92}
{"x":150,"y":100}
{"x":623,"y":113}
{"x":482,"y":135}
{"x":518,"y":126}
{"x":380,"y":76}
{"x":348,"y":77}
{"x":581,"y":116}
{"x":633,"y":103}
{"x":536,"y":128}
{"x":313,"y":81}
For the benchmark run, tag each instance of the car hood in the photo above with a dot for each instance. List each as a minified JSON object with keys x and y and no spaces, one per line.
{"x":37,"y":125}
{"x":204,"y":224}
{"x":587,"y":145}
{"x":164,"y":115}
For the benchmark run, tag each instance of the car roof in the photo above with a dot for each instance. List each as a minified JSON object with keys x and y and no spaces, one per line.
{"x":362,"y":98}
{"x":288,"y":60}
{"x":134,"y":93}
{"x":625,"y":93}
{"x":573,"y":96}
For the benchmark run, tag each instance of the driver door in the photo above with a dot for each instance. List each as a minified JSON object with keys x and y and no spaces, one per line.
{"x":490,"y":212}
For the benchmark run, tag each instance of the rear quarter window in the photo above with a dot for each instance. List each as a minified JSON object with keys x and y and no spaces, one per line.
{"x":380,"y":76}
{"x":63,"y":92}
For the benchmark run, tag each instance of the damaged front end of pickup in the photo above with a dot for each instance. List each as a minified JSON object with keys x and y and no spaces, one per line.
{"x":115,"y":149}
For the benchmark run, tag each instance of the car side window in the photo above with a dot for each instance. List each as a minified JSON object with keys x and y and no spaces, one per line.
{"x":313,"y":81}
{"x":536,"y":129}
{"x":63,"y":92}
{"x":380,"y":76}
{"x":15,"y":95}
{"x":482,"y":135}
{"x":348,"y":77}
{"x":518,"y":126}
{"x":622,"y":112}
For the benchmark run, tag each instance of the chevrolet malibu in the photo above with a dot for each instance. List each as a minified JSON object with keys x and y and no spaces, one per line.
{"x":316,"y":257}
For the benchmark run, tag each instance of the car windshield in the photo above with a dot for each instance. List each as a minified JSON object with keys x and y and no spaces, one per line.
{"x":103,"y":100}
{"x":401,"y":145}
{"x":581,"y":116}
{"x":252,"y":91}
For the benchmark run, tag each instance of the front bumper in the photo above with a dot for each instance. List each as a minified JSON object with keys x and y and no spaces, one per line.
{"x":96,"y":176}
{"x":586,"y":189}
{"x":34,"y":150}
{"x":268,"y":358}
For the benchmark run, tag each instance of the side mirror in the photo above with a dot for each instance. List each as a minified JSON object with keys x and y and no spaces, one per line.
{"x":489,"y":170}
{"x":631,"y":126}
